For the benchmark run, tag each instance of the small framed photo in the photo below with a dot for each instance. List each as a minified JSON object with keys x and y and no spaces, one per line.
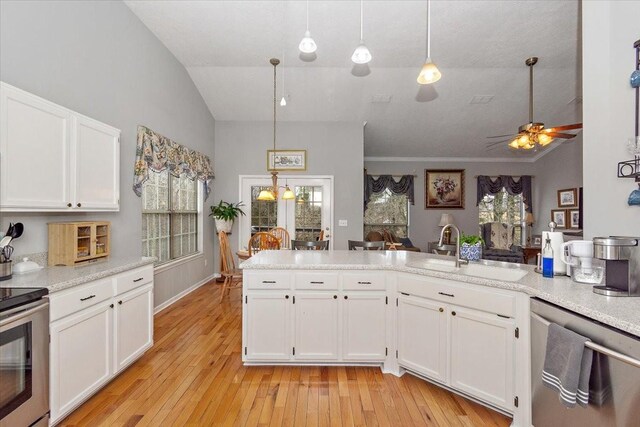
{"x":574,"y":218}
{"x":287,"y":160}
{"x":568,"y":198}
{"x":537,"y":240}
{"x":559,"y":216}
{"x":444,"y":189}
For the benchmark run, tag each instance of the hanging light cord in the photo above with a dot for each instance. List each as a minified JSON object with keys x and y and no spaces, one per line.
{"x":428,"y":28}
{"x":307,"y":15}
{"x":361,"y":18}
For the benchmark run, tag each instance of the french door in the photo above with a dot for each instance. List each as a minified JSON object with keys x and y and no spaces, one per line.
{"x":306,"y":217}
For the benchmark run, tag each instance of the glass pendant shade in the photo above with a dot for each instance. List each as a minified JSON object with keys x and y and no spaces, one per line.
{"x":307,"y":45}
{"x":283,"y":102}
{"x":266,"y":195}
{"x":544,"y":139}
{"x":361,"y":55}
{"x":288,"y":194}
{"x":429,"y":73}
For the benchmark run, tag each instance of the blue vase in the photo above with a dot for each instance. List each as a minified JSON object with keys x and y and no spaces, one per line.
{"x":634,"y":198}
{"x":635,"y":79}
{"x":471,"y":252}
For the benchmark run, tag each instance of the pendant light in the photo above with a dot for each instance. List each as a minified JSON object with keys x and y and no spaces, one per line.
{"x":361,"y":55}
{"x":307,"y":45}
{"x":272,"y":193}
{"x":429,"y":72}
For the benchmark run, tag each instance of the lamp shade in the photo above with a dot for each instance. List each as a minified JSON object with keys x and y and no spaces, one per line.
{"x":445,"y":219}
{"x":288,"y":194}
{"x":429,"y":73}
{"x":361,"y":55}
{"x":307,"y":45}
{"x":528,"y":219}
{"x":266,"y":195}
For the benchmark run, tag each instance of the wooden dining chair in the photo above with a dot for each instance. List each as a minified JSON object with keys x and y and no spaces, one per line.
{"x":262,"y":241}
{"x":355,"y":245}
{"x":232,"y":276}
{"x":303,"y":245}
{"x":283,"y":236}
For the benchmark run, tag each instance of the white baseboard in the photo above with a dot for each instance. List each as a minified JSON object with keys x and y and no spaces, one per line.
{"x":184,"y":293}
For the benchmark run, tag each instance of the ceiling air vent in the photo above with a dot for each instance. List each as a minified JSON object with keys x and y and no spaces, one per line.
{"x":481,"y":99}
{"x":381,"y":99}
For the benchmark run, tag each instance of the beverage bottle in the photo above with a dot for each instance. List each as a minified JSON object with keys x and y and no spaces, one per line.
{"x":547,"y":259}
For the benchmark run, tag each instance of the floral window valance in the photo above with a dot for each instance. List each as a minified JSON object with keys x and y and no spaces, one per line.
{"x":157,"y":153}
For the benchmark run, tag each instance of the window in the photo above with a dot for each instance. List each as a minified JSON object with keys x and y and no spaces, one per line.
{"x":308,"y":212}
{"x":504,"y":208}
{"x":170,"y":209}
{"x":387,"y":211}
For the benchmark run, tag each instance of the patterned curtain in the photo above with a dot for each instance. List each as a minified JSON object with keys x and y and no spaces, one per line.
{"x":377,"y":185}
{"x":157,"y":153}
{"x":513,"y":185}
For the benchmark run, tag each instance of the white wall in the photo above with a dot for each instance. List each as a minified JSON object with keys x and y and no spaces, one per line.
{"x":333,"y":148}
{"x":609,"y":29}
{"x":97,"y":58}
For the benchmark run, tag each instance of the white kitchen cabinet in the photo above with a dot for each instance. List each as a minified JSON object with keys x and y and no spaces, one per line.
{"x":53,"y":159}
{"x":423,"y":336}
{"x":316,"y":326}
{"x":268,"y":326}
{"x":364,"y":326}
{"x":133,"y":326}
{"x":81,"y":357}
{"x":482,"y":346}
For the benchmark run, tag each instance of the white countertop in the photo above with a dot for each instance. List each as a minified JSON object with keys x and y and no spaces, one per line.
{"x":620,"y":312}
{"x":59,"y":278}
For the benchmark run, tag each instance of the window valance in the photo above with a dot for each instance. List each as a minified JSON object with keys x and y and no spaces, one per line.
{"x":513,"y":184}
{"x":382,"y":182}
{"x":157,"y":153}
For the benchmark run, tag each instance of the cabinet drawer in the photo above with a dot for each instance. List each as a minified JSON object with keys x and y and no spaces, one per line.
{"x":317,"y":280}
{"x":365,"y":281}
{"x":267,"y":280}
{"x":480,"y":297}
{"x":79,"y":298}
{"x":133,"y":279}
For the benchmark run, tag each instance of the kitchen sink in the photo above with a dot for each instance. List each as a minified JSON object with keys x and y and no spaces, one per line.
{"x":480,"y":270}
{"x":448,"y":266}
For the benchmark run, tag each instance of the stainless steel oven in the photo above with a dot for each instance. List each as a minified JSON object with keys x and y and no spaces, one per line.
{"x":24,"y":365}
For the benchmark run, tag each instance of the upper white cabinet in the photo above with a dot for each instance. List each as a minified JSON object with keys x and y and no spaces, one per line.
{"x":53,"y":159}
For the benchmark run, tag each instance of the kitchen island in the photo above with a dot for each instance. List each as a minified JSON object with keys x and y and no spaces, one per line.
{"x":466,"y":329}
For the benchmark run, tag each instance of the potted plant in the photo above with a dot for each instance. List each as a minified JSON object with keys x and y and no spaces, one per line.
{"x":471,"y":247}
{"x":224,"y":213}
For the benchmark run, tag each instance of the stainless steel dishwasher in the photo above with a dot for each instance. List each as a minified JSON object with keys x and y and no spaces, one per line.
{"x":614,"y":387}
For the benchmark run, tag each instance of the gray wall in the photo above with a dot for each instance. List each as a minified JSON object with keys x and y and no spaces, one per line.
{"x":609,"y":29}
{"x":333,"y":148}
{"x":559,"y":169}
{"x":424,"y":222}
{"x":97,"y":58}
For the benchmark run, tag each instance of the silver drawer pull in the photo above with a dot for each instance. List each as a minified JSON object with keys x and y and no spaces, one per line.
{"x":317,"y":283}
{"x":364,"y":283}
{"x":86,"y":298}
{"x":137,"y":280}
{"x":268,"y":281}
{"x":446,"y":295}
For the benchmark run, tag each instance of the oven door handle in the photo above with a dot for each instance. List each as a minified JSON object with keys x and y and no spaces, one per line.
{"x":41,"y":305}
{"x":597,"y":347}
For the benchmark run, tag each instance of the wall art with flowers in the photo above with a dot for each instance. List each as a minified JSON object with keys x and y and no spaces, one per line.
{"x":444,"y":188}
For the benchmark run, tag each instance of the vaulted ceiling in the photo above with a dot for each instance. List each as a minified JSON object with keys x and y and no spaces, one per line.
{"x":479,"y":46}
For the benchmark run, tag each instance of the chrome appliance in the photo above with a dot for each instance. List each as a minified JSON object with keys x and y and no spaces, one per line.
{"x":614,"y":386}
{"x":622,"y":271}
{"x":24,"y":357}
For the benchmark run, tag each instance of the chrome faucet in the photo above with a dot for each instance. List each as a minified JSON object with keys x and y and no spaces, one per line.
{"x":457,"y":254}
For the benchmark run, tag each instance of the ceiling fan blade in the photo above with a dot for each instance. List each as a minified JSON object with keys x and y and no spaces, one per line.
{"x":502,"y":136}
{"x":492,"y":143}
{"x":560,"y":135}
{"x":565,"y":127}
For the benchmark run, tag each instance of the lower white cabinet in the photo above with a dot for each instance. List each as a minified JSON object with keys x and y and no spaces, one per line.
{"x":482,"y":349}
{"x":133,"y":326}
{"x":423,"y":336}
{"x":268,"y":326}
{"x":364,"y":326}
{"x":316,"y":326}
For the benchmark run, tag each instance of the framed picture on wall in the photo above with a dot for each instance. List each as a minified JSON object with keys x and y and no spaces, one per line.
{"x":559,"y":216}
{"x":536,"y":240}
{"x":568,"y":198}
{"x":287,"y":160}
{"x":444,"y":189}
{"x":574,"y":218}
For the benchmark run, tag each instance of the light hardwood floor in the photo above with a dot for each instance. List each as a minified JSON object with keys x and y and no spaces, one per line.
{"x":194,"y":376}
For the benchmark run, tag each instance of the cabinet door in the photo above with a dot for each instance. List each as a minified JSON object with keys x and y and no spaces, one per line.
{"x":80,"y":360}
{"x":422,"y":336}
{"x":268,"y":326}
{"x":316,"y":325}
{"x":364,"y":326}
{"x":96,"y":163}
{"x":482,"y":355}
{"x":133,"y":325}
{"x":34,"y":152}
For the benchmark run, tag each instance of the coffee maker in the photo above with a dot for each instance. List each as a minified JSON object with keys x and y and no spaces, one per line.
{"x":622,"y":259}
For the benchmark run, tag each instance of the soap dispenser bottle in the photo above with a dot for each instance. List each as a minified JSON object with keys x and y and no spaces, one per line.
{"x":547,"y":259}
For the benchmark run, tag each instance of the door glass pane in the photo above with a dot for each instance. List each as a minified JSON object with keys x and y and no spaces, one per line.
{"x":308,"y":212}
{"x":264,"y":214}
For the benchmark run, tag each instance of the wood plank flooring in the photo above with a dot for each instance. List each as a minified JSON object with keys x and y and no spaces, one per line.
{"x":193,"y":376}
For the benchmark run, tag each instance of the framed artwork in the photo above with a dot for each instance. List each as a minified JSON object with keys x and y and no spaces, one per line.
{"x":559,"y":216}
{"x":537,"y":240}
{"x":574,"y":218}
{"x":444,"y":189}
{"x":568,"y":198}
{"x":287,"y":160}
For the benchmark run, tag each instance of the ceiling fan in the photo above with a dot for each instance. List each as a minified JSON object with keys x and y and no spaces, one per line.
{"x":531,"y":135}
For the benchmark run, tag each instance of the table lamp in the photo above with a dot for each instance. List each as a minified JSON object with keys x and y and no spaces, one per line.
{"x":444,"y":220}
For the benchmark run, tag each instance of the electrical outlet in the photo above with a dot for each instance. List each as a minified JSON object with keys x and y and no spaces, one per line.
{"x":343,"y":223}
